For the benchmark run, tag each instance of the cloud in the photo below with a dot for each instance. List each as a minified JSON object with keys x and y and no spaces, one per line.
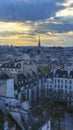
{"x":66,"y":3}
{"x":35,"y":28}
{"x":24,"y":20}
{"x":67,"y":12}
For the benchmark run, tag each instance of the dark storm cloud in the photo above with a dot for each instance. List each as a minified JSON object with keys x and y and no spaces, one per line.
{"x":25,"y":10}
{"x":71,"y":5}
{"x":61,"y":28}
{"x":54,"y":28}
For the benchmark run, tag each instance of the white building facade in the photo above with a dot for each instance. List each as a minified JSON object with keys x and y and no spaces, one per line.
{"x":60,"y":83}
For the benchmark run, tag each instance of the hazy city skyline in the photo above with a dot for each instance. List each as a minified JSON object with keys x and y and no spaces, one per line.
{"x":23,"y":21}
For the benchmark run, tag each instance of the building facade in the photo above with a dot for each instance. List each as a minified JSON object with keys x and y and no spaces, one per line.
{"x":60,"y":85}
{"x":7,"y":87}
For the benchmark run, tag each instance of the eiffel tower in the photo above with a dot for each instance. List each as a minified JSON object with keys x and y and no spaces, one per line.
{"x":39,"y":44}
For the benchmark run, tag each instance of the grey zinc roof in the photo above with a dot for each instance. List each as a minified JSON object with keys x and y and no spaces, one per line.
{"x":61,"y":73}
{"x":11,"y":65}
{"x":8,"y":65}
{"x":71,"y":74}
{"x":17,"y":117}
{"x":4,"y":76}
{"x":2,"y":107}
{"x":22,"y":79}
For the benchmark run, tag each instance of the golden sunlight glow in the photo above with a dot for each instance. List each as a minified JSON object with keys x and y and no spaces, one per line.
{"x":70,"y":33}
{"x":16,"y":33}
{"x":14,"y":26}
{"x":47,"y":37}
{"x":26,"y":34}
{"x":17,"y":42}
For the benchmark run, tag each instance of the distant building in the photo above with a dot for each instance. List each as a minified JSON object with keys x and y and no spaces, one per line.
{"x":26,"y":57}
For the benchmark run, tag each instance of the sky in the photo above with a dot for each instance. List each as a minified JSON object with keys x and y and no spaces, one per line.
{"x":23,"y":21}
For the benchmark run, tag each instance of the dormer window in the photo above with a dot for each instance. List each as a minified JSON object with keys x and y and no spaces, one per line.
{"x":19,"y":82}
{"x":22,"y":81}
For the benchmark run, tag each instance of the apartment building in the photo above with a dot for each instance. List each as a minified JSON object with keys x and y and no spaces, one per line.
{"x":60,"y":83}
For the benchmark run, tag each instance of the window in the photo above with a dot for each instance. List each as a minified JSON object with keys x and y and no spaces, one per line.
{"x":55,"y":80}
{"x":50,"y":90}
{"x":47,"y":85}
{"x":19,"y":82}
{"x":50,"y":85}
{"x":58,"y":81}
{"x":55,"y":85}
{"x":65,"y":86}
{"x":58,"y":86}
{"x":70,"y":87}
{"x":70,"y":81}
{"x":61,"y":86}
{"x":65,"y":81}
{"x":22,"y":81}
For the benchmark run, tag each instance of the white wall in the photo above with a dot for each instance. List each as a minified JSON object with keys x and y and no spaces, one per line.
{"x":10,"y":88}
